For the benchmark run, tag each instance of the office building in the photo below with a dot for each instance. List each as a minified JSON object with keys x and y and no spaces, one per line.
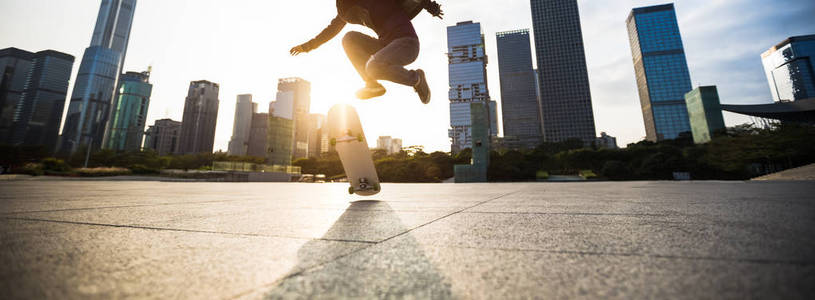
{"x":129,"y":116}
{"x":565,"y":95}
{"x":299,"y":91}
{"x":200,"y":117}
{"x":163,"y":137}
{"x":705,"y":113}
{"x":280,"y":131}
{"x":16,"y":65}
{"x":662,"y":72}
{"x":519,"y":98}
{"x":90,"y":105}
{"x":468,"y":83}
{"x":33,"y":88}
{"x":606,"y":141}
{"x":258,"y":135}
{"x":790,"y":69}
{"x":317,"y":133}
{"x":389,"y":144}
{"x":244,"y":114}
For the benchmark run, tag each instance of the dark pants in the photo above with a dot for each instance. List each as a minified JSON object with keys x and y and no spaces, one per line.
{"x":375,"y":61}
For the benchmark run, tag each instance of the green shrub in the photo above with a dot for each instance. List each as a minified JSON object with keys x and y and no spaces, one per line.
{"x":143,"y":170}
{"x":53,"y":165}
{"x":102,"y":172}
{"x":33,"y":169}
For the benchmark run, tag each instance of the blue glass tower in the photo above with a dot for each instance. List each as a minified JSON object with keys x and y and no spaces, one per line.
{"x":789,"y":68}
{"x":662,"y":72}
{"x":90,"y":104}
{"x":519,"y":97}
{"x":468,"y":83}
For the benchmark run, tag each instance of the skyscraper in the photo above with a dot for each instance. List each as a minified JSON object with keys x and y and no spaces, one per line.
{"x":300,"y":91}
{"x":200,"y":117}
{"x":790,"y":68}
{"x":94,"y":91}
{"x":244,"y":110}
{"x":316,"y":134}
{"x":258,"y":135}
{"x":163,"y":137}
{"x":38,"y":115}
{"x":280,"y":130}
{"x":15,"y":65}
{"x":662,"y":70}
{"x":468,"y":83}
{"x":129,"y":115}
{"x":519,"y":98}
{"x":564,"y":81}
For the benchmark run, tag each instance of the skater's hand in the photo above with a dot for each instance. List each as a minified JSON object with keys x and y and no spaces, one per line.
{"x":298,"y":49}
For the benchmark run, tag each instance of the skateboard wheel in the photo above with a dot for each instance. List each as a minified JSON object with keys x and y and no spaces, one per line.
{"x":333,"y":142}
{"x":360,"y":138}
{"x":351,"y":190}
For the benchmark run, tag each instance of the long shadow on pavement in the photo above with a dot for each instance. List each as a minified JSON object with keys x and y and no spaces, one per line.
{"x":394,"y":268}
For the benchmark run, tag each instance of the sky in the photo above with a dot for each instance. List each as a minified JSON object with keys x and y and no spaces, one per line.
{"x":243,"y":45}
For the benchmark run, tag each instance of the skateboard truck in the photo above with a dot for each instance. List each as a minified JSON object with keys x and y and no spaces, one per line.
{"x":364,"y":185}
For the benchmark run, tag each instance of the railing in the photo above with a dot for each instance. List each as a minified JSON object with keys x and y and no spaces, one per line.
{"x":228,"y":166}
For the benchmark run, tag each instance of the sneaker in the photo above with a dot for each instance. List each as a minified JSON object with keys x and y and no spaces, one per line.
{"x":371,"y":90}
{"x":421,"y":87}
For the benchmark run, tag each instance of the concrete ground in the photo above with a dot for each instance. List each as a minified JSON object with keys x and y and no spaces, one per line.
{"x":692,"y":240}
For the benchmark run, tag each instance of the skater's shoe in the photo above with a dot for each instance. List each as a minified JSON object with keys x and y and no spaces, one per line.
{"x":421,"y":87}
{"x":371,"y":90}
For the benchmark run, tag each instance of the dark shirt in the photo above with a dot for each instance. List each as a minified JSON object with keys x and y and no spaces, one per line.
{"x":385,"y":17}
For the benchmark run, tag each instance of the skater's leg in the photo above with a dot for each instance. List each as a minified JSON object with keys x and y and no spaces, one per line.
{"x":389,"y":64}
{"x":359,"y":48}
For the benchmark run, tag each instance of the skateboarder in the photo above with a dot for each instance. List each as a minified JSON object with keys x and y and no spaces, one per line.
{"x":382,"y":58}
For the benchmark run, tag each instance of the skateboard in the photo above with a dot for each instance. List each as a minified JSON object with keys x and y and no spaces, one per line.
{"x":346,"y":135}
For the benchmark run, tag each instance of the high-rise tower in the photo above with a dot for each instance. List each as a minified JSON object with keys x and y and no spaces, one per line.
{"x":244,"y":111}
{"x":519,"y":97}
{"x":662,"y":71}
{"x":200,"y":118}
{"x":300,"y":91}
{"x":94,"y":91}
{"x":468,"y":84}
{"x":564,"y":80}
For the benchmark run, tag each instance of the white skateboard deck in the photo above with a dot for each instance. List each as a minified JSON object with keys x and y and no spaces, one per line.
{"x":345,"y":133}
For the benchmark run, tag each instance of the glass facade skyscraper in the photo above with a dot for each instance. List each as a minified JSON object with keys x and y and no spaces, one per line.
{"x":244,"y":110}
{"x":300,"y":90}
{"x":39,"y":114}
{"x":90,"y":105}
{"x":200,"y":118}
{"x":519,"y":98}
{"x":126,"y":128}
{"x":468,"y":83}
{"x":15,"y":65}
{"x":565,"y":94}
{"x":789,"y":68}
{"x":662,"y":72}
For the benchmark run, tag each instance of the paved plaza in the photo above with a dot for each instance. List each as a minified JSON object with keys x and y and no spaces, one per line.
{"x":656,"y":240}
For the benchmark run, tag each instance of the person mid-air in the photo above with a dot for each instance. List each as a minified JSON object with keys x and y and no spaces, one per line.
{"x":385,"y":57}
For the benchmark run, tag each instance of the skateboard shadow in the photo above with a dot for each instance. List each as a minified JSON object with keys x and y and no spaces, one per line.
{"x":397,"y":268}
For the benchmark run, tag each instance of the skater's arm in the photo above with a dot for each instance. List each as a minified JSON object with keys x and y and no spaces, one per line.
{"x":326,"y":35}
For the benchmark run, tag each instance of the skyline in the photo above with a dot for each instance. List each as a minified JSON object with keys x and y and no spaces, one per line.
{"x":237,"y":60}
